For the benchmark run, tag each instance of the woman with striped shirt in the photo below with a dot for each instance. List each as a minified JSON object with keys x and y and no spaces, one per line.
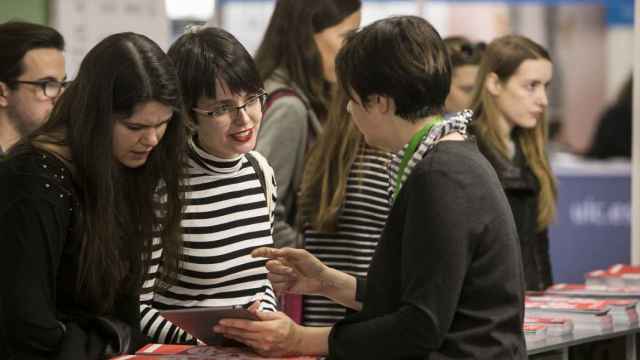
{"x":345,"y":202}
{"x":227,"y":212}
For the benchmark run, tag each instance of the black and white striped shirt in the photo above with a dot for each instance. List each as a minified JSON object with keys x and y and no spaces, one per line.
{"x":225,"y":218}
{"x":360,"y":224}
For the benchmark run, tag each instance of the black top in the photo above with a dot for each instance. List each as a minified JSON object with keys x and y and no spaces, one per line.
{"x":446,"y":279}
{"x":613,"y":134}
{"x":522,"y":189}
{"x":39,"y":266}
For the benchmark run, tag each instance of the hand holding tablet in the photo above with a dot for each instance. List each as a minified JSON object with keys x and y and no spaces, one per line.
{"x":199,"y":322}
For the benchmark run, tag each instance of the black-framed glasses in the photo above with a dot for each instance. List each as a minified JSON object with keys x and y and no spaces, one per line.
{"x":50,"y":88}
{"x":254,"y":104}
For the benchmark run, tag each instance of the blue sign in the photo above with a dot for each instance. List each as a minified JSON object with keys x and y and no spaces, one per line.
{"x":619,"y":12}
{"x":592,"y":229}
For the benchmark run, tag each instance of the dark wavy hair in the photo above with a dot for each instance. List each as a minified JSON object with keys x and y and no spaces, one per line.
{"x":120,"y":211}
{"x":288,"y":44}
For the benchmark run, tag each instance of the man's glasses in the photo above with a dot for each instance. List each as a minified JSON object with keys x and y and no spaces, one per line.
{"x":50,"y":88}
{"x":254,"y":104}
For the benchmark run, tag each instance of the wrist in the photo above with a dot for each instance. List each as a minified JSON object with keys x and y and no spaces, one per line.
{"x":312,"y":341}
{"x":328,"y":281}
{"x":298,"y":336}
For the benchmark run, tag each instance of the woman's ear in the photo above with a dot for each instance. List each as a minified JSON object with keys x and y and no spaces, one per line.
{"x":385,"y":104}
{"x":493,"y":84}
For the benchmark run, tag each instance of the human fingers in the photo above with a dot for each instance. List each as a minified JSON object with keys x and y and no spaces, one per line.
{"x":280,"y":287}
{"x":254,"y":307}
{"x":271,"y":315}
{"x":286,"y":254}
{"x":278,"y":267}
{"x":277,"y":278}
{"x":266,"y":252}
{"x":251,"y":343}
{"x":237,"y":333}
{"x":257,"y":346}
{"x":250,"y":325}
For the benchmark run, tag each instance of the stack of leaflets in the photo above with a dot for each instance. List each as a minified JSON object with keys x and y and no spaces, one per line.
{"x":192,"y":352}
{"x":594,"y":291}
{"x":534,"y":332}
{"x":623,"y":311}
{"x":556,"y":326}
{"x":619,"y":276}
{"x":586,"y":315}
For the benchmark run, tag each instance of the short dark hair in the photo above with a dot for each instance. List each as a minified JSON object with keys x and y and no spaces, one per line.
{"x":16,"y":39}
{"x":202,"y":56}
{"x":401,"y":57}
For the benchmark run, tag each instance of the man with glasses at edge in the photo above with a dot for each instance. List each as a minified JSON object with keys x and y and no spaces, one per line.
{"x":32,"y":77}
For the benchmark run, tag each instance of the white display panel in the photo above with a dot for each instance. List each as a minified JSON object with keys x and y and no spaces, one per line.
{"x":83,"y":23}
{"x":246,"y":20}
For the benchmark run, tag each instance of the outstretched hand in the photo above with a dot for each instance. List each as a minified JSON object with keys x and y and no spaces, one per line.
{"x":294,"y":271}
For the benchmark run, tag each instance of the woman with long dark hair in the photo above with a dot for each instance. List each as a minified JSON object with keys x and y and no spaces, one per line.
{"x":510,"y":107}
{"x":296,"y":61}
{"x":80,"y":205}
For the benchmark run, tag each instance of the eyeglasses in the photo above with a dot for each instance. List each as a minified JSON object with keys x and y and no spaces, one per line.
{"x":50,"y":88}
{"x":254,"y":104}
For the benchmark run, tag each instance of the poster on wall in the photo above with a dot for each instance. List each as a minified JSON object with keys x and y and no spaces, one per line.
{"x":83,"y":23}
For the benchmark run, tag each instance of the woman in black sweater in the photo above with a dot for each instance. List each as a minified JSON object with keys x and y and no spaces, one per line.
{"x":78,"y":206}
{"x":510,"y":110}
{"x":446,"y":278}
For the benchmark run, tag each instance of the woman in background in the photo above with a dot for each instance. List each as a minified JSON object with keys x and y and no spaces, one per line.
{"x":296,"y":61}
{"x":510,"y":107}
{"x":465,"y":60}
{"x":344,"y":201}
{"x":78,"y":206}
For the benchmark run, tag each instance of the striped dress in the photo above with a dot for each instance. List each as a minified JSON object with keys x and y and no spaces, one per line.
{"x":360,"y":224}
{"x":226,"y":217}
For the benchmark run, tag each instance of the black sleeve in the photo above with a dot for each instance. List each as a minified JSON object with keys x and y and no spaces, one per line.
{"x":542,"y":249}
{"x":612,"y":137}
{"x":32,"y":238}
{"x":435,"y":241}
{"x":361,"y":288}
{"x":34,"y":232}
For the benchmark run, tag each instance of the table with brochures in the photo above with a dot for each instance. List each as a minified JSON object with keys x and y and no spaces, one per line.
{"x":562,"y":344}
